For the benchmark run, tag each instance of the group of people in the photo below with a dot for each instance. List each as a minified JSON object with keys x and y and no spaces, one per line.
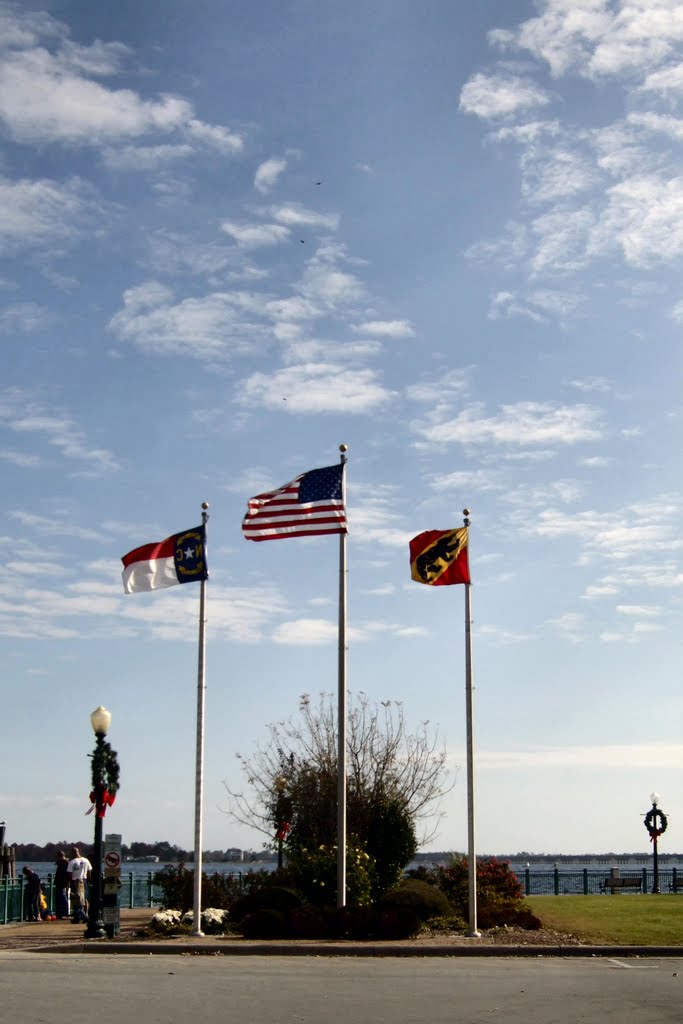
{"x":71,"y":897}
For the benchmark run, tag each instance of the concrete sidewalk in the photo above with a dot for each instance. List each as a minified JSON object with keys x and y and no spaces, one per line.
{"x":64,"y":937}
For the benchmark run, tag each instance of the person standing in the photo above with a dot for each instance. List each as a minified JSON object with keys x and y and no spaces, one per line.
{"x":78,"y":872}
{"x":33,"y":891}
{"x":61,"y":886}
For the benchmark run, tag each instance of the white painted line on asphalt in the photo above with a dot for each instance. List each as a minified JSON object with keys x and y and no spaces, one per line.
{"x":633,"y":967}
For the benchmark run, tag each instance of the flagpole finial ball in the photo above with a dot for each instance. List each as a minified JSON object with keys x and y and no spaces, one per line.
{"x":343,"y":448}
{"x":205,"y":505}
{"x":466,"y":512}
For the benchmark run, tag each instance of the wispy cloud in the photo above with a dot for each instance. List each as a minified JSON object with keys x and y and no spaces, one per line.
{"x":521,"y":423}
{"x":22,"y":414}
{"x":386,"y":328}
{"x":267,"y":174}
{"x":500,"y":95}
{"x":322,"y":387}
{"x":215,"y":326}
{"x":255,"y":236}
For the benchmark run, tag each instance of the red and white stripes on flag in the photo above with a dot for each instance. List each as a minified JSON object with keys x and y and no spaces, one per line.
{"x":309,"y":505}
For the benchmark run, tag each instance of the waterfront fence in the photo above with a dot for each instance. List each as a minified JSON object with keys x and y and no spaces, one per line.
{"x":142,"y":891}
{"x":136,"y":891}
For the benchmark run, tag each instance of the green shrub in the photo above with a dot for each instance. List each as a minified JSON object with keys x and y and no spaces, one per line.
{"x":368,"y":923}
{"x":398,"y":923}
{"x":274,"y":897}
{"x":493,"y":915}
{"x":353,"y":922}
{"x":499,"y":893}
{"x":447,"y":925}
{"x":218,"y":890}
{"x":176,"y":885}
{"x":391,"y":843}
{"x":314,"y":873}
{"x":307,"y":922}
{"x":264,"y":924}
{"x":425,"y":900}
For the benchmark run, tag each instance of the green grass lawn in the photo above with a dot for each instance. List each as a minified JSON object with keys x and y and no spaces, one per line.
{"x":629,"y":920}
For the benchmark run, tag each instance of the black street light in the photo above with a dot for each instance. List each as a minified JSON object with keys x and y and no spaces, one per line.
{"x":656,"y":829}
{"x":105,"y":782}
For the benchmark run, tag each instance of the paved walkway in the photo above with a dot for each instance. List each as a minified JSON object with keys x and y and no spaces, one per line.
{"x":65,"y":937}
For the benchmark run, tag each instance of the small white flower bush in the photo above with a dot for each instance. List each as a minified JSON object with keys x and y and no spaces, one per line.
{"x":166,"y":921}
{"x":214,"y":921}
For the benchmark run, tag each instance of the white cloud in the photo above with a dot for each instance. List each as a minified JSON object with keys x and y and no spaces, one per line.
{"x":23,"y":459}
{"x":267,"y":174}
{"x":215,"y":136}
{"x":597,"y":37}
{"x":644,"y":218}
{"x":439,"y":390}
{"x":315,"y":388}
{"x":306,"y":632}
{"x":665,"y":80}
{"x":214,"y":326}
{"x":255,"y":236}
{"x":522,"y":423}
{"x":21,"y":414}
{"x":296,"y":215}
{"x":643,"y":610}
{"x":144,"y":158}
{"x":386,"y":328}
{"x":47,"y":97}
{"x":603,"y":755}
{"x":324,"y":284}
{"x":43,"y":100}
{"x":39,"y":213}
{"x":22,"y":316}
{"x":619,"y":537}
{"x":494,"y":96}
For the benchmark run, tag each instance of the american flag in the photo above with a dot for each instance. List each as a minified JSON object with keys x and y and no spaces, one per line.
{"x":311,"y":504}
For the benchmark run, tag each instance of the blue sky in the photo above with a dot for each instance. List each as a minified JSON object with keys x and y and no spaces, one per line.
{"x":234,"y":236}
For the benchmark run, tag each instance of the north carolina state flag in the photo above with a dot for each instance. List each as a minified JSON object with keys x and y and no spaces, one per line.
{"x":439,"y":557}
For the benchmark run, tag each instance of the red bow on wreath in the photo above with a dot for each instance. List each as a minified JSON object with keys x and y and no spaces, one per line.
{"x":283,"y":830}
{"x":100,"y":800}
{"x":655,"y":834}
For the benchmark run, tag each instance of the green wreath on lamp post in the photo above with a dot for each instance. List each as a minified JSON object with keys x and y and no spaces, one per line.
{"x":651,"y":823}
{"x":105,"y":766}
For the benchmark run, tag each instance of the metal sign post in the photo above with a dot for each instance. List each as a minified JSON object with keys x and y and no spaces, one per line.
{"x":112,"y":884}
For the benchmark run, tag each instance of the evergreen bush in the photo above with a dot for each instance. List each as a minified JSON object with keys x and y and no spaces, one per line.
{"x":264,"y":924}
{"x":307,"y":922}
{"x":274,"y":897}
{"x":425,"y":900}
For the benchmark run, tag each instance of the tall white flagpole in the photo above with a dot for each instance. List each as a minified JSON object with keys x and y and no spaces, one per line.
{"x":199,"y":767}
{"x":341,"y":707}
{"x":469,"y":702}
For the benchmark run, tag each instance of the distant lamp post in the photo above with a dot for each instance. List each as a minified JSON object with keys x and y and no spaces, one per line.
{"x":105,"y":783}
{"x":283,"y":808}
{"x":655,"y":823}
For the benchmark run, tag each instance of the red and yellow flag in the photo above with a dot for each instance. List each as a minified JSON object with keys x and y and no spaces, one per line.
{"x":439,"y":557}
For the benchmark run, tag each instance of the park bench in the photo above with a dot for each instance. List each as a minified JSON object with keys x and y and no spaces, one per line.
{"x":625,"y":882}
{"x":676,"y":883}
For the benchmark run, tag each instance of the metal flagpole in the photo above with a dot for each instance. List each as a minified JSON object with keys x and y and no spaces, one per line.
{"x":471,"y":849}
{"x":199,"y":769}
{"x":341,"y":707}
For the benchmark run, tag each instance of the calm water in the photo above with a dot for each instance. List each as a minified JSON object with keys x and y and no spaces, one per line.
{"x":143,"y":869}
